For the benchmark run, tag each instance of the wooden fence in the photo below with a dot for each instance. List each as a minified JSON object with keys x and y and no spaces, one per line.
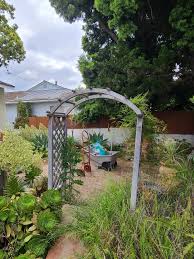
{"x":178,"y":122}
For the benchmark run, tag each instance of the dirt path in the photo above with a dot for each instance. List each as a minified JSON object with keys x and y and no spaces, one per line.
{"x":66,"y":247}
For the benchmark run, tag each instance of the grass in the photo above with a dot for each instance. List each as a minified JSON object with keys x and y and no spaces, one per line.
{"x":157,"y":229}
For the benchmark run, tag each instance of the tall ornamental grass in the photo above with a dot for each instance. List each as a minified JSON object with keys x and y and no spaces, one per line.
{"x":157,"y":229}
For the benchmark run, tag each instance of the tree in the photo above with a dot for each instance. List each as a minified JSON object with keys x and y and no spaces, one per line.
{"x":11,"y":46}
{"x":137,"y":46}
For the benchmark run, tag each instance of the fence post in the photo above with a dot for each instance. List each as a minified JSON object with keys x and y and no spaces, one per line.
{"x":50,"y":152}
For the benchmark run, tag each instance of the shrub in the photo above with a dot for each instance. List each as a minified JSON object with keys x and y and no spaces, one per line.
{"x":16,"y":154}
{"x":23,"y":113}
{"x":151,"y":124}
{"x":70,"y":157}
{"x":28,"y":133}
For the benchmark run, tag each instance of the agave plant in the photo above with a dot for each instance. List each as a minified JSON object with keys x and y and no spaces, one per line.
{"x":46,"y":221}
{"x":13,"y":186}
{"x":97,"y":137}
{"x":40,"y":142}
{"x":52,"y":198}
{"x":26,"y":203}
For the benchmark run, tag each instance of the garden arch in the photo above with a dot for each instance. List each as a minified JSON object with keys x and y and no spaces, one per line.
{"x":57,"y":131}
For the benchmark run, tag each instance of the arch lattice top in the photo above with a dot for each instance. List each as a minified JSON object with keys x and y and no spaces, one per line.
{"x":93,"y":93}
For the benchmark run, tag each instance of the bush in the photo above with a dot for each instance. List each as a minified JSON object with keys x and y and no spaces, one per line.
{"x":16,"y":154}
{"x":28,"y":133}
{"x":110,"y":230}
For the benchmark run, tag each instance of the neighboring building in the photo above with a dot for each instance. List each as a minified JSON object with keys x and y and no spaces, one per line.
{"x":3,"y":120}
{"x":41,"y":97}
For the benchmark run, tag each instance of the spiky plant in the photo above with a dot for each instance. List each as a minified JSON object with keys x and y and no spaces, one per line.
{"x":31,"y":174}
{"x":97,"y":137}
{"x":46,"y":221}
{"x":52,"y":198}
{"x":40,"y":142}
{"x":13,"y":186}
{"x":26,"y":203}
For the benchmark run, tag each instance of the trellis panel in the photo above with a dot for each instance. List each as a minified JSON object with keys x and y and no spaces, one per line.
{"x":57,"y":136}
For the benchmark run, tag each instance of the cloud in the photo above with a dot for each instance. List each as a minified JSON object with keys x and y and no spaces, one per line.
{"x":52,"y":47}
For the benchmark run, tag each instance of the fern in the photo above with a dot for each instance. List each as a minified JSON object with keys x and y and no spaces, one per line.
{"x":13,"y":186}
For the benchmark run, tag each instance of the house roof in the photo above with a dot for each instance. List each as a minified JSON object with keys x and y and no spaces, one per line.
{"x":3,"y":84}
{"x":42,"y":92}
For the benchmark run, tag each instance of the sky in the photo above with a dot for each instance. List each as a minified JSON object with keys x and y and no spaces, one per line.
{"x":52,"y":47}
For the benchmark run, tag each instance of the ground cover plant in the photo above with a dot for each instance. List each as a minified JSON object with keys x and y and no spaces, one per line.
{"x":29,"y":225}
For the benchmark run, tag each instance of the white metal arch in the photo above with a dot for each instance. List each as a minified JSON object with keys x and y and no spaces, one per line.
{"x":91,"y":94}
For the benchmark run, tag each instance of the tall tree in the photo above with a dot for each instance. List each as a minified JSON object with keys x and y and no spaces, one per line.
{"x":137,"y":46}
{"x":11,"y":46}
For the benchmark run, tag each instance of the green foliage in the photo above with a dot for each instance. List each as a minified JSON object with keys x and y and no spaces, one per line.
{"x":13,"y":186}
{"x":110,"y":230}
{"x":97,"y":137}
{"x":70,"y":157}
{"x":17,"y":154}
{"x":23,"y":113}
{"x":37,"y":245}
{"x":135,"y":46}
{"x":29,"y":133}
{"x":52,"y":198}
{"x":11,"y":45}
{"x":40,"y":142}
{"x":151,"y":124}
{"x":27,"y":230}
{"x":31,"y":174}
{"x":26,"y":203}
{"x":46,"y":221}
{"x":174,"y":151}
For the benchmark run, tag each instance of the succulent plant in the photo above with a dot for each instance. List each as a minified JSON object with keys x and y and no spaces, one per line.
{"x":40,"y":184}
{"x":52,"y":198}
{"x":4,"y":213}
{"x":12,"y":217}
{"x":3,"y":202}
{"x":26,"y":203}
{"x":38,"y":245}
{"x":46,"y":221}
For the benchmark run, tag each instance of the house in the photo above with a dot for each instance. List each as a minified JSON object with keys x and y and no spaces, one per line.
{"x":41,"y":97}
{"x":3,"y":86}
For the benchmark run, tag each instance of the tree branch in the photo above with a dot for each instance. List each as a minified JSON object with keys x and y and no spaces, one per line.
{"x":106,"y":29}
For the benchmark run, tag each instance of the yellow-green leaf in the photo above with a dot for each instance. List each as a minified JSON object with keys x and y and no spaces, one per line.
{"x":26,"y":239}
{"x":8,"y":230}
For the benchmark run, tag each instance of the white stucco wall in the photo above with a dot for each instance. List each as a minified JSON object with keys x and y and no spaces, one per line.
{"x":2,"y":109}
{"x":11,"y":112}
